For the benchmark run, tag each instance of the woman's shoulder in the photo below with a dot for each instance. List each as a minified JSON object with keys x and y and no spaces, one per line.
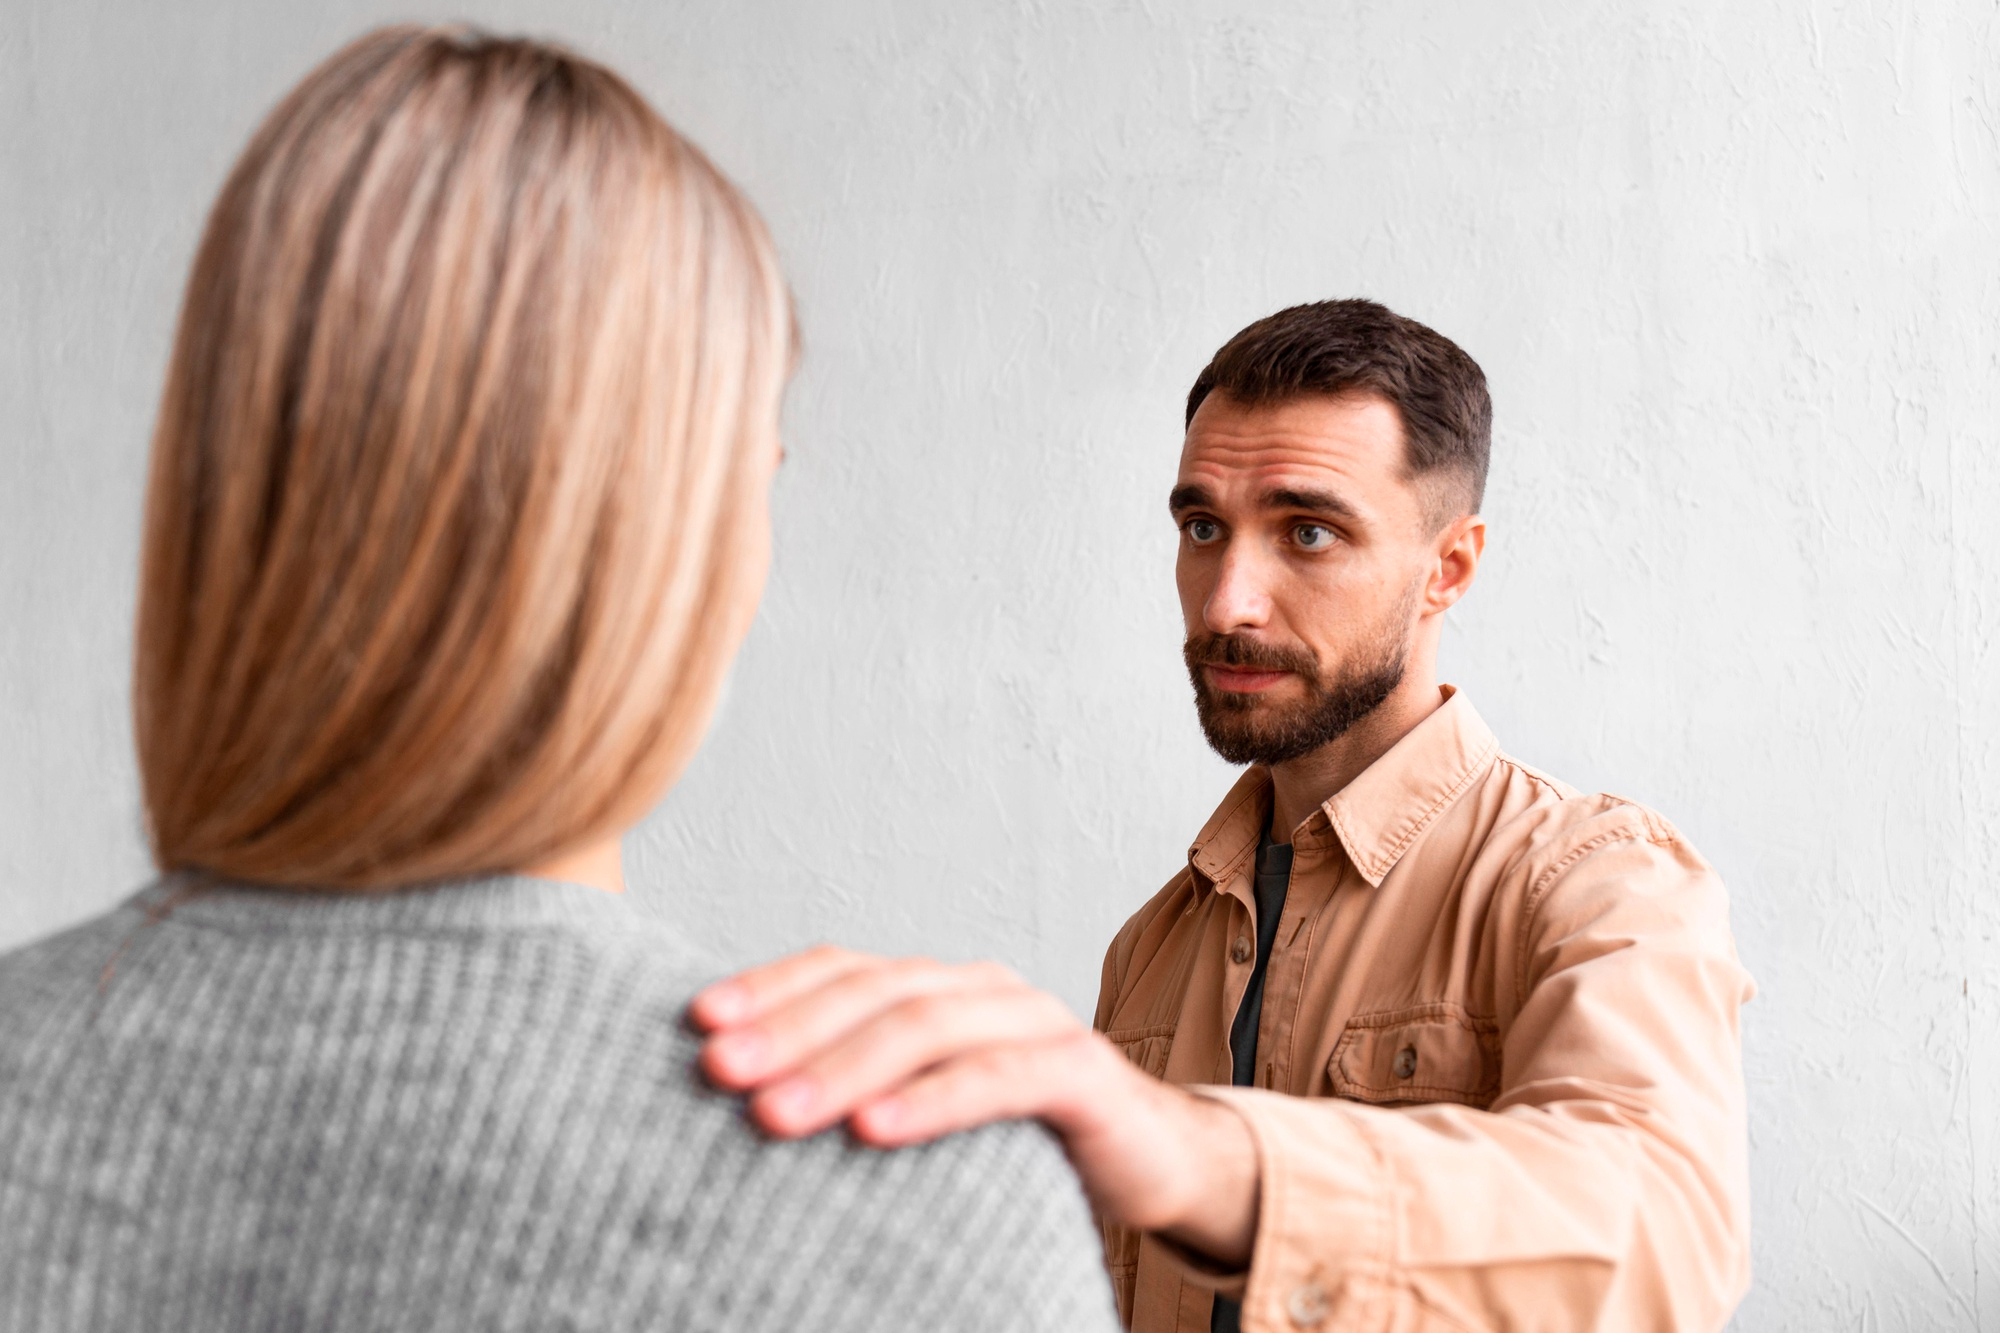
{"x":983,"y":1230}
{"x":518,"y":1072}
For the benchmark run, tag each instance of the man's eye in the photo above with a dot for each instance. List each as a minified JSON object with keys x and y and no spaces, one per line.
{"x":1312,"y":537}
{"x":1202,"y":531}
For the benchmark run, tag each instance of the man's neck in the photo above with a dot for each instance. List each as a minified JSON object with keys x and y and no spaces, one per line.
{"x":1300,"y":786}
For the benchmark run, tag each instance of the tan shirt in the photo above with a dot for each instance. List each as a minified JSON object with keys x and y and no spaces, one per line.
{"x":1499,"y":1074}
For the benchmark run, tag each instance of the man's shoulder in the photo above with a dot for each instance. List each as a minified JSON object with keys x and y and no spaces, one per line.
{"x":1547,"y":812}
{"x":1539,"y":828}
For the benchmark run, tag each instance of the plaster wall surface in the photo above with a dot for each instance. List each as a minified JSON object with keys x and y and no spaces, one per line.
{"x":1733,"y":271}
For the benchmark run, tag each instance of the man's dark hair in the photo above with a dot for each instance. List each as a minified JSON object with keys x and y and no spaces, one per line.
{"x":1357,"y":346}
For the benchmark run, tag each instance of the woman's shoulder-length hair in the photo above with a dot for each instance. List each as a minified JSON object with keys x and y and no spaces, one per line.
{"x":449,"y":510}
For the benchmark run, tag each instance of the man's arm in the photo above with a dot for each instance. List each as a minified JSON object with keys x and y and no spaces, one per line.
{"x":1604,"y":1188}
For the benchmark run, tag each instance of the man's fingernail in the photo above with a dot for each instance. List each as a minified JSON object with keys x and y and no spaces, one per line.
{"x":742,"y":1053}
{"x":724,"y":1002}
{"x":793,"y":1099}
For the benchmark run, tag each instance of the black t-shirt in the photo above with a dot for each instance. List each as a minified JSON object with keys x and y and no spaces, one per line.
{"x":1274,"y":877}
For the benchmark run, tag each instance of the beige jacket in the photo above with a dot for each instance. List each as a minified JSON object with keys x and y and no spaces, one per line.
{"x":1499,"y":1076}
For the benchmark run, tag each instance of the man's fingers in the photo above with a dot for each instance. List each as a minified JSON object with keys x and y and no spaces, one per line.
{"x":794,"y":1031}
{"x":743,"y":997}
{"x":899,"y":1044}
{"x":998,"y":1082}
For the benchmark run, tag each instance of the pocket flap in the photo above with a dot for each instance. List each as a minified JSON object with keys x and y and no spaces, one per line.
{"x":1428,"y":1053}
{"x":1146,"y":1047}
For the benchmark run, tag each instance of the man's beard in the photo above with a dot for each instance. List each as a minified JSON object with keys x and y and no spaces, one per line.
{"x":1253,"y":729}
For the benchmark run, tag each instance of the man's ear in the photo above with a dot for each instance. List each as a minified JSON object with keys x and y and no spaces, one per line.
{"x":1458,"y":547}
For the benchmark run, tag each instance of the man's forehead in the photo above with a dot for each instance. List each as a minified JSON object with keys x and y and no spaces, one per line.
{"x":1355,"y":437}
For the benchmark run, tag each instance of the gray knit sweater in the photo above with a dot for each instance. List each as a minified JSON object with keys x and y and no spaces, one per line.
{"x":470,"y":1107}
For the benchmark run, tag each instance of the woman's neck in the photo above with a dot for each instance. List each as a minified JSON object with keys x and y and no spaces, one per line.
{"x":598,"y":864}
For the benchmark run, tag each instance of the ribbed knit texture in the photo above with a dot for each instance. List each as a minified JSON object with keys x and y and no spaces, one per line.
{"x":471,"y":1107}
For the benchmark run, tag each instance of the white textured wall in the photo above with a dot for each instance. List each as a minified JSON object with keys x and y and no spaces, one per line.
{"x":1733,"y":269}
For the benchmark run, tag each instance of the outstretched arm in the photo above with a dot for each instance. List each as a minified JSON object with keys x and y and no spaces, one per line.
{"x":1605,"y":1187}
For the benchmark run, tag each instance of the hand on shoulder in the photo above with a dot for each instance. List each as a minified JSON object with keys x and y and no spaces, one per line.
{"x":906,"y":1050}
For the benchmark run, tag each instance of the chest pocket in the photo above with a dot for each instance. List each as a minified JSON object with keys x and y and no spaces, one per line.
{"x":1147,"y":1047}
{"x":1427,"y":1053}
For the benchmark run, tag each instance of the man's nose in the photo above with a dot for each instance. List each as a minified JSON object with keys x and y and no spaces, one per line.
{"x":1241,"y":598}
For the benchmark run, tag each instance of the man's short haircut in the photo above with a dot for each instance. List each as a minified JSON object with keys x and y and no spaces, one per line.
{"x":1359,"y":346}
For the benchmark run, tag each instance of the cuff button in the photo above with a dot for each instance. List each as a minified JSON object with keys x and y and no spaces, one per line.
{"x":1406,"y":1062}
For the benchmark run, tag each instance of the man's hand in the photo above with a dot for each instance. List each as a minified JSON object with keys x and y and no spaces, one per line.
{"x":905,"y":1050}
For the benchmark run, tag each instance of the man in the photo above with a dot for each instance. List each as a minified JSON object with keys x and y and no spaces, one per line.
{"x":1420,"y":1038}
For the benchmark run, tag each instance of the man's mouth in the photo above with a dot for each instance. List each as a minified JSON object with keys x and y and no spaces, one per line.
{"x":1242,"y":680}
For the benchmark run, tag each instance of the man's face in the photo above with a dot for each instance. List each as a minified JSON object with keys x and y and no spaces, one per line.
{"x":1303,"y":560}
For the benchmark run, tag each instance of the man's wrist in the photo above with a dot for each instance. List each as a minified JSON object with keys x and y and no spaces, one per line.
{"x":1217,"y":1218}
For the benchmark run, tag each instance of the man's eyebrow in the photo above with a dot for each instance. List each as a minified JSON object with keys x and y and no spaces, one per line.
{"x":1190,"y":496}
{"x":1313,"y":502}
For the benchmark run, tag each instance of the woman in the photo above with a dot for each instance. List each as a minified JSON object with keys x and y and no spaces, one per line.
{"x":458,"y":512}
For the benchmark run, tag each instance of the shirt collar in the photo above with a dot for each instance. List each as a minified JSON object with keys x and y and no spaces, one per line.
{"x":1388,"y":807}
{"x":1377,"y":816}
{"x":1227,"y":844}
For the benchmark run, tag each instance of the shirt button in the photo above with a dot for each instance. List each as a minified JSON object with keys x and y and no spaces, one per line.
{"x":1239,"y":952}
{"x":1307,"y":1305}
{"x":1406,"y":1062}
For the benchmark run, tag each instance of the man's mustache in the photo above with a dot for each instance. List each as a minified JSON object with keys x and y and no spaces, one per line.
{"x":1234,"y":650}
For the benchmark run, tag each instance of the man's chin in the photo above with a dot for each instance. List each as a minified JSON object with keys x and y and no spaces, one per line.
{"x":1294,"y":717}
{"x":1237,"y":749}
{"x":1234,"y":733}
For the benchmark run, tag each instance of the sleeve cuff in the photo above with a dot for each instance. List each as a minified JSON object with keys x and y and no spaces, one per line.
{"x":1325,"y":1217}
{"x":1199,"y":1271}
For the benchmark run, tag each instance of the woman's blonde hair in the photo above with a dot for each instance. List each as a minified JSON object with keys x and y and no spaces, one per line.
{"x":451,"y":515}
